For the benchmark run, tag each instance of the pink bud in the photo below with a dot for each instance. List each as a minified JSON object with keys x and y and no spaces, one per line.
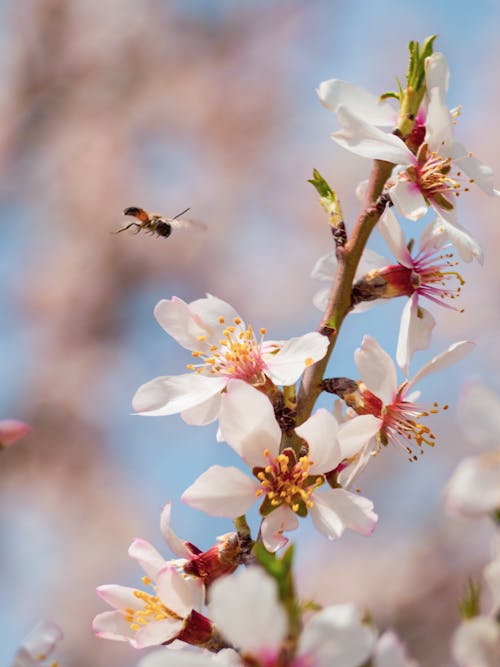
{"x":12,"y":430}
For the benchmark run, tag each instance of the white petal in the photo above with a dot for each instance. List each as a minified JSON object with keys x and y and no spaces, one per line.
{"x":247,"y":423}
{"x":390,"y":652}
{"x":376,"y":369}
{"x":178,"y":593}
{"x":42,"y":639}
{"x":295,"y":356}
{"x":368,"y":141}
{"x":408,"y":199}
{"x":357,"y":433}
{"x":320,"y":433}
{"x":393,"y":235}
{"x":112,"y":625}
{"x":454,"y":353}
{"x":415,"y":332}
{"x":246,"y":610}
{"x":479,"y":415}
{"x":337,"y":636}
{"x":438,"y":126}
{"x":337,"y":509}
{"x":474,"y":487}
{"x":325,"y":267}
{"x":119,"y":597}
{"x":492,"y":578}
{"x":176,"y":317}
{"x":220,"y":491}
{"x":320,"y":299}
{"x":157,"y":632}
{"x":481,"y":174}
{"x":167,"y":657}
{"x":476,"y":643}
{"x":334,"y":93}
{"x":440,"y":231}
{"x":175,"y":544}
{"x":369,"y":260}
{"x":169,"y":395}
{"x":147,"y":557}
{"x":203,"y":414}
{"x":209,"y":310}
{"x":275,"y":524}
{"x":349,"y":474}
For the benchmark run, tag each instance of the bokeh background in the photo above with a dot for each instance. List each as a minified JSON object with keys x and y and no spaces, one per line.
{"x":209,"y":104}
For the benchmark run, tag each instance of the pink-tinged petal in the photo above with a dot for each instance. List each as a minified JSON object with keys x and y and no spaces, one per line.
{"x":357,"y":433}
{"x":368,"y":141}
{"x":437,"y":73}
{"x":168,"y":657}
{"x":408,"y":200}
{"x":203,"y":414}
{"x":349,"y":474}
{"x":119,"y":597}
{"x":246,"y":610}
{"x":169,"y":395}
{"x":474,"y":487}
{"x":12,"y":430}
{"x":210,"y":310}
{"x":42,"y":639}
{"x":325,"y":267}
{"x":179,"y":594}
{"x":337,"y":635}
{"x":247,"y":423}
{"x":440,"y":231}
{"x":147,"y":556}
{"x":157,"y":632}
{"x":480,"y":173}
{"x":454,"y":353}
{"x":337,"y":509}
{"x":479,"y":415}
{"x":393,"y":235}
{"x":112,"y":625}
{"x":220,"y":491}
{"x":176,"y":318}
{"x":175,"y":544}
{"x":415,"y":332}
{"x":439,"y":127}
{"x":370,"y":108}
{"x":320,"y":433}
{"x":320,"y":299}
{"x":369,"y":261}
{"x":295,"y":356}
{"x":492,"y":578}
{"x":390,"y":652}
{"x":376,"y":369}
{"x":275,"y":524}
{"x":476,"y":643}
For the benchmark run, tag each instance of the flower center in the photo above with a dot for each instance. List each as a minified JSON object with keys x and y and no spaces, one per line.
{"x":432,"y":280}
{"x":238,"y":354}
{"x":286,"y":479}
{"x":153,"y":610}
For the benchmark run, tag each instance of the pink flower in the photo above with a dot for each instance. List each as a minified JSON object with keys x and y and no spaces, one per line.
{"x":224,"y":348}
{"x":12,"y":430}
{"x":286,"y":483}
{"x":38,"y":645}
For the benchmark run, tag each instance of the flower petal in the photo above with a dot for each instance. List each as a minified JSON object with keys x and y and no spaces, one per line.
{"x":147,"y":556}
{"x":437,"y":73}
{"x":275,"y":524}
{"x":246,"y":609}
{"x":177,"y":319}
{"x":335,"y":93}
{"x":492,"y":578}
{"x":204,"y":413}
{"x":325,"y":267}
{"x":390,"y":652}
{"x":476,"y":643}
{"x":357,"y":433}
{"x":295,"y":356}
{"x":480,"y":173}
{"x":454,"y":353}
{"x":337,"y":509}
{"x":12,"y":430}
{"x":376,"y":369}
{"x":155,"y":633}
{"x":119,"y":597}
{"x":210,"y":310}
{"x":112,"y":625}
{"x":169,"y":395}
{"x":415,"y":332}
{"x":42,"y":639}
{"x":440,"y":231}
{"x":479,"y":415}
{"x":178,"y":593}
{"x":175,"y":544}
{"x":220,"y":491}
{"x":408,"y":199}
{"x":368,"y":141}
{"x":168,"y":657}
{"x":247,"y":423}
{"x":320,"y":433}
{"x":393,"y":235}
{"x":474,"y":487}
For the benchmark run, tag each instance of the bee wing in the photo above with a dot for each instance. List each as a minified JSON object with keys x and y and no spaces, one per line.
{"x":186,"y":225}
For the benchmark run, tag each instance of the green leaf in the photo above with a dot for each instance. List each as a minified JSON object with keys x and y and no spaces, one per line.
{"x":280,"y":569}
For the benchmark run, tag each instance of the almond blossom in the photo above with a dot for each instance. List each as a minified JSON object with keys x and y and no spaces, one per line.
{"x":12,"y":430}
{"x":38,"y":645}
{"x":224,"y":348}
{"x":286,"y":482}
{"x":387,"y":411}
{"x":427,"y":177}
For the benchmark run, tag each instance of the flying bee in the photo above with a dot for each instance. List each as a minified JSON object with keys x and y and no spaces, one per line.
{"x":158,"y":225}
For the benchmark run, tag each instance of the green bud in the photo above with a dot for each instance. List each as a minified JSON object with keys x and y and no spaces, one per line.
{"x":331,"y":204}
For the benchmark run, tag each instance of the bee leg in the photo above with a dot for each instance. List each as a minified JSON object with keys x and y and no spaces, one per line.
{"x":124,"y":229}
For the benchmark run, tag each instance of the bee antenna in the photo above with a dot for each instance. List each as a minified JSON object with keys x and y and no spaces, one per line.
{"x":181,"y":213}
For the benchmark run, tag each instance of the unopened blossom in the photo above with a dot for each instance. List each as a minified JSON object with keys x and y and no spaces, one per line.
{"x":12,"y":430}
{"x":388,"y":412}
{"x":432,"y":172}
{"x":287,"y":485}
{"x":246,"y":610}
{"x":223,"y":348}
{"x":38,"y":646}
{"x":476,"y":643}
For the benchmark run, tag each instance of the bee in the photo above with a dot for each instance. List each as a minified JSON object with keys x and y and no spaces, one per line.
{"x":158,"y":225}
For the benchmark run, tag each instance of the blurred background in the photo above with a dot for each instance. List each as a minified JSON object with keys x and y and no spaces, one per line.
{"x":209,"y":104}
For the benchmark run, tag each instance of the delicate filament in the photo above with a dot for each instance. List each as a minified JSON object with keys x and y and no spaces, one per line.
{"x":153,"y":610}
{"x":431,"y":279}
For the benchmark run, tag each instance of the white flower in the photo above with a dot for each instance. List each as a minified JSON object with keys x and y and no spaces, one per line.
{"x":38,"y":645}
{"x":474,"y":488}
{"x":388,"y":411}
{"x":287,"y":484}
{"x":390,"y":652}
{"x":225,"y":348}
{"x":476,"y":643}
